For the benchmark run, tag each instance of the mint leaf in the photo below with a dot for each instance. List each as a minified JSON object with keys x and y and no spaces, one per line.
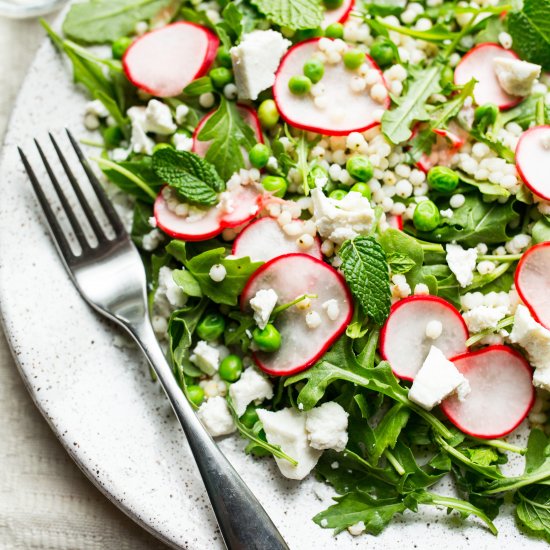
{"x":238,"y":272}
{"x":101,"y":21}
{"x":228,"y":133}
{"x":194,"y":179}
{"x":294,"y":14}
{"x":366,"y":271}
{"x":530,"y":31}
{"x":400,"y":263}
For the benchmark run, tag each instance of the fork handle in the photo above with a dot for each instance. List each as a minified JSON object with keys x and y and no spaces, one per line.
{"x":243,"y":523}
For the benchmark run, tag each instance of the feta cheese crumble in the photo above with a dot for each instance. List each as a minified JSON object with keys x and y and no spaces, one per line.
{"x":516,"y":76}
{"x":263,"y":304}
{"x":206,"y":357}
{"x":437,"y":379}
{"x":216,"y":417}
{"x":287,"y":428}
{"x":251,"y":386}
{"x":327,"y":427}
{"x":462,"y":263}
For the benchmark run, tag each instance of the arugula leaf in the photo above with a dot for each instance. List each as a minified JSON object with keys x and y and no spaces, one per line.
{"x":228,"y":132}
{"x":385,"y":7}
{"x":541,"y":231}
{"x":293,"y":14}
{"x":400,"y":263}
{"x":238,"y":272}
{"x":388,"y":429}
{"x":237,"y":333}
{"x":178,"y":250}
{"x":533,"y":509}
{"x":194,"y":179}
{"x":101,"y":21}
{"x":485,"y":187}
{"x":366,"y":271}
{"x":410,"y":108}
{"x":530,"y":31}
{"x":140,"y":221}
{"x":199,"y":86}
{"x":438,"y":33}
{"x":187,"y":282}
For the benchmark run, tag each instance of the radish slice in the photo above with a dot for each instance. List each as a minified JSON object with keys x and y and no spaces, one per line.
{"x":264,"y":240}
{"x":533,"y":160}
{"x":403,"y":340}
{"x":447,"y":143}
{"x":291,"y":276}
{"x":347,"y":111}
{"x":338,"y":15}
{"x":249,"y":116}
{"x":247,"y":203}
{"x":501,"y":396}
{"x":533,"y":281}
{"x":164,"y":61}
{"x":478,"y":63}
{"x":396,"y":222}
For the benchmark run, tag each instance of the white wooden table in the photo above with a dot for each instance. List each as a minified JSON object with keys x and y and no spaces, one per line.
{"x":45,"y":501}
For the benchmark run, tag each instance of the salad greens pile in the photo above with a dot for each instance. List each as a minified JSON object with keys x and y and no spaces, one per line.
{"x":397,"y":451}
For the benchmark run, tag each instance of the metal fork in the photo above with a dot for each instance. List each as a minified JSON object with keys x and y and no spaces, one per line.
{"x":110,"y":276}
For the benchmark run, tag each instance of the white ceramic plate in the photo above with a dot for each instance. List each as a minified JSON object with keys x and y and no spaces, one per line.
{"x":99,"y":400}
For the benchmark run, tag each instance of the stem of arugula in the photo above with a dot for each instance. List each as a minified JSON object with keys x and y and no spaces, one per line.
{"x":282,"y":307}
{"x":503,"y":258}
{"x":499,"y":444}
{"x":505,"y":323}
{"x":91,"y":143}
{"x":394,"y":462}
{"x":367,"y":356}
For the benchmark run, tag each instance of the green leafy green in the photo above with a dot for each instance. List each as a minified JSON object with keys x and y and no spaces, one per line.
{"x":100,"y":21}
{"x":530,"y":31}
{"x":293,"y":14}
{"x":438,"y":33}
{"x":388,"y":429}
{"x":187,"y":282}
{"x":400,"y":263}
{"x":541,"y":230}
{"x":485,"y":187}
{"x":199,"y":86}
{"x":366,"y":271}
{"x":533,"y":509}
{"x":385,"y":7}
{"x":228,"y":290}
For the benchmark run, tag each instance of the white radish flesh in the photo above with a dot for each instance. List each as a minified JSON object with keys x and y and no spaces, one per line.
{"x":264,"y":240}
{"x":292,"y":276}
{"x":478,"y":63}
{"x":533,"y":160}
{"x":338,"y":15}
{"x":346,"y":110}
{"x":501,"y":395}
{"x":403,"y":340}
{"x":164,"y":61}
{"x":533,"y":281}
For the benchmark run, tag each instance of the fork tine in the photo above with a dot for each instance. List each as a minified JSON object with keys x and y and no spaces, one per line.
{"x":100,"y":193}
{"x":75,"y":224}
{"x":98,"y":230}
{"x":57,"y":232}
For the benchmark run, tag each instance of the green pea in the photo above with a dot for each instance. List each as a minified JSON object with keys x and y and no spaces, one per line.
{"x":220,"y":76}
{"x":223,"y":57}
{"x":231,"y":368}
{"x":338,"y":194}
{"x":353,"y":59}
{"x":317,"y":173}
{"x":426,"y":216}
{"x":314,"y":69}
{"x":362,"y":188}
{"x":267,"y":339}
{"x":268,"y":114}
{"x":332,"y":4}
{"x":159,"y":146}
{"x":382,"y":52}
{"x":259,"y":155}
{"x":195,"y":394}
{"x":307,"y":34}
{"x":250,"y":416}
{"x":112,"y":136}
{"x":360,"y":168}
{"x":335,"y":30}
{"x":441,"y":178}
{"x":299,"y":85}
{"x":275,"y":185}
{"x":447,"y":77}
{"x":485,"y":115}
{"x":211,"y":327}
{"x":120,"y":46}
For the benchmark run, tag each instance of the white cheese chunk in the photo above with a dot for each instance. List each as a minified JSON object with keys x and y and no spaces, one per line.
{"x":251,"y":386}
{"x":437,"y":379}
{"x":287,"y":428}
{"x":262,"y":304}
{"x":158,"y":118}
{"x":535,"y":340}
{"x":484,"y":317}
{"x":516,"y":76}
{"x":255,"y":61}
{"x":327,"y":427}
{"x":206,"y":357}
{"x":462,"y":263}
{"x":216,"y":417}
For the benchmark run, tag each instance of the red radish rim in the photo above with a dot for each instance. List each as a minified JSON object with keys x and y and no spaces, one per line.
{"x":337,"y":333}
{"x":488,"y":349}
{"x":252,"y":112}
{"x":505,"y":106}
{"x":456,"y":141}
{"x":523,"y":259}
{"x":385,"y":105}
{"x":518,"y":164}
{"x":317,"y":240}
{"x":210,"y":56}
{"x":398,"y":221}
{"x":345,"y":15}
{"x":404,"y":301}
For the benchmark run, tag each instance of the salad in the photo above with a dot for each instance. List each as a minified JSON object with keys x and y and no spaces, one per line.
{"x":344,"y":213}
